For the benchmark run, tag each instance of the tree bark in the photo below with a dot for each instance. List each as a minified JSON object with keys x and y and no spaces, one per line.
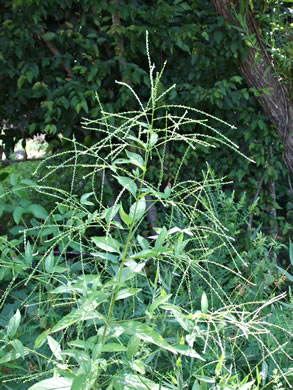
{"x":278,"y":105}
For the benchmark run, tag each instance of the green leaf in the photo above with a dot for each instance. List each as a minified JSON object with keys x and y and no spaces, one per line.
{"x":12,"y":355}
{"x":158,"y":301}
{"x":18,"y":346}
{"x":146,"y":333}
{"x":49,"y":262}
{"x":28,"y":254}
{"x":85,"y":312}
{"x":55,"y":347}
{"x":125,"y":217}
{"x":128,"y":183}
{"x":144,"y":254}
{"x":218,"y":36}
{"x":113,"y":347}
{"x":139,"y":141}
{"x":107,"y":243}
{"x":48,"y":36}
{"x":127,"y":292}
{"x":132,"y":346}
{"x":205,"y":379}
{"x":246,"y":386}
{"x":161,"y":238}
{"x":80,"y":382}
{"x":137,"y":365}
{"x":204,"y":303}
{"x":110,"y":212}
{"x":84,"y":199}
{"x":137,"y":210}
{"x":205,"y":35}
{"x":136,"y":159}
{"x":196,"y":386}
{"x":154,"y":138}
{"x":187,"y":351}
{"x":54,"y":383}
{"x":291,"y":252}
{"x":143,"y":242}
{"x":17,"y":214}
{"x":38,"y":211}
{"x":285,"y":273}
{"x":133,"y":381}
{"x":21,"y":81}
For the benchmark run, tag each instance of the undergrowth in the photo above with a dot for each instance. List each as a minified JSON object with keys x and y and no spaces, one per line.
{"x":94,"y":296}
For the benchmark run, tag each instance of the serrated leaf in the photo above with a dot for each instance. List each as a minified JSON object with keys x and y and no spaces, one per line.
{"x":55,"y":347}
{"x":137,"y":209}
{"x":128,"y":183}
{"x":147,"y":334}
{"x":107,"y":243}
{"x":54,"y":383}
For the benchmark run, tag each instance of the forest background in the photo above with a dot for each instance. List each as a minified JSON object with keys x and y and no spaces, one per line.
{"x":59,"y":63}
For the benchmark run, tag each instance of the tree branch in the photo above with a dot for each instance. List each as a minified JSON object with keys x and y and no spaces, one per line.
{"x":278,"y":105}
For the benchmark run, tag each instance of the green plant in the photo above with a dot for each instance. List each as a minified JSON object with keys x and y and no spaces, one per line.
{"x":117,"y":303}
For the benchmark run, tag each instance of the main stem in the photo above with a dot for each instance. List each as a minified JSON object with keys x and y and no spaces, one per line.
{"x":114,"y":295}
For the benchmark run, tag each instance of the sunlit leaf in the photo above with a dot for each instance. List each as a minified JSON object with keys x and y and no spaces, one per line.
{"x":107,"y":243}
{"x":55,"y":347}
{"x":137,"y":210}
{"x":54,"y":383}
{"x":147,"y":334}
{"x":127,"y":183}
{"x":13,"y":324}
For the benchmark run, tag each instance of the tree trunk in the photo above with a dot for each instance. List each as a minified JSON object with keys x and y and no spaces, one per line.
{"x":278,"y":105}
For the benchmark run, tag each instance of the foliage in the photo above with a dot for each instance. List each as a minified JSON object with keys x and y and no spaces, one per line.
{"x":58,"y":56}
{"x":91,"y":301}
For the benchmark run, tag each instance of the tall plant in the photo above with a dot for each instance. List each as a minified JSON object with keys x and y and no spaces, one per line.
{"x":116,"y":307}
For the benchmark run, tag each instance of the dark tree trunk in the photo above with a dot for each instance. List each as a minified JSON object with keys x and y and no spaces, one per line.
{"x":278,"y":106}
